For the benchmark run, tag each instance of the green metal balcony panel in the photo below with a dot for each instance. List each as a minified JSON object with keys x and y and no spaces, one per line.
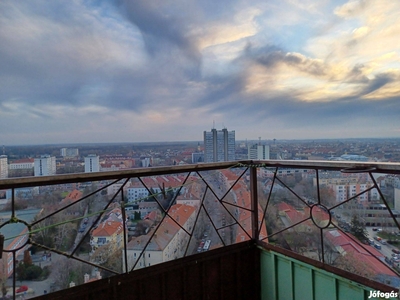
{"x":324,"y":286}
{"x":284,"y":278}
{"x":303,"y":276}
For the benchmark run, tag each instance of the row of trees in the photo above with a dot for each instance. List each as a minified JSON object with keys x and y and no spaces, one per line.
{"x":358,"y":229}
{"x":26,"y":270}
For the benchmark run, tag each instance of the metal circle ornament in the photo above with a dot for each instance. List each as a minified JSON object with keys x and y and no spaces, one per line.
{"x":320,"y":216}
{"x":16,"y":234}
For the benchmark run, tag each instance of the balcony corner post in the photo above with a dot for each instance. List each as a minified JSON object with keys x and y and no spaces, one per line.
{"x":254,"y":202}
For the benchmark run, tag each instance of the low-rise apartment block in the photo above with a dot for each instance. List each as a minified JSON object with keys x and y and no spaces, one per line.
{"x":167,"y":243}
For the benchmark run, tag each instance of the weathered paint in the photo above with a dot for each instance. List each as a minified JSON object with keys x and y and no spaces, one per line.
{"x":285,"y":278}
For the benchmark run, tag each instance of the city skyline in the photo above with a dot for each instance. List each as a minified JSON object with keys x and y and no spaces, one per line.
{"x":154,"y":71}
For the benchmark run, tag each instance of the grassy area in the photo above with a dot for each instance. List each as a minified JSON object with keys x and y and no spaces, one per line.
{"x":64,"y":194}
{"x":385,"y":235}
{"x":390,"y":237}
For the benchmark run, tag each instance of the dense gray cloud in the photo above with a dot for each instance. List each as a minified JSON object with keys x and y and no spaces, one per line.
{"x":272,"y":56}
{"x":379,"y":81}
{"x":127,"y":68}
{"x":357,"y":75}
{"x":160,"y":30}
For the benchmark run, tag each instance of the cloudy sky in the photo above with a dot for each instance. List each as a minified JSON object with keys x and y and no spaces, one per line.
{"x":166,"y":70}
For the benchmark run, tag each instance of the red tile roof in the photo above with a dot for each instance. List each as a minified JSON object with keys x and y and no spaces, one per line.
{"x":151,"y":216}
{"x":108,"y":228}
{"x":23,"y":160}
{"x":359,"y":252}
{"x":244,"y":217}
{"x":74,"y":195}
{"x":167,"y":230}
{"x":230,"y":176}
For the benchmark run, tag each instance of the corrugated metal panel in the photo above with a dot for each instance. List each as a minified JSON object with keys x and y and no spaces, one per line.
{"x":284,"y":278}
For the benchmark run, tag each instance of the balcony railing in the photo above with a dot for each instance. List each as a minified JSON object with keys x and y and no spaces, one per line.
{"x":317,"y":212}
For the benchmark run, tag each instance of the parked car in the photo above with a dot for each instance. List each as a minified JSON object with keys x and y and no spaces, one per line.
{"x":377,"y":246}
{"x":200,"y":248}
{"x":82,"y":229}
{"x":397,"y":251}
{"x":395,"y":259}
{"x":22,"y":288}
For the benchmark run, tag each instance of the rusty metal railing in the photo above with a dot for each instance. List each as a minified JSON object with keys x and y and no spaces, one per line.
{"x":115,"y":222}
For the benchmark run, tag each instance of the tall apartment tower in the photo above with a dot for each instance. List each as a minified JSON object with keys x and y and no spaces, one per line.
{"x":69,"y":152}
{"x":3,"y":166}
{"x":258,"y":152}
{"x":92,"y":163}
{"x":45,"y":166}
{"x":219,"y":145}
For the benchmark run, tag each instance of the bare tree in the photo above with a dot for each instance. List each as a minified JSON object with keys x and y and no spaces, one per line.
{"x":46,"y":198}
{"x":327,"y":196}
{"x":351,"y":263}
{"x":67,"y":270}
{"x":296,"y":240}
{"x":89,"y":201}
{"x":3,"y":281}
{"x":64,"y":232}
{"x":44,"y":232}
{"x":18,"y":205}
{"x":27,"y":258}
{"x":108,"y":256}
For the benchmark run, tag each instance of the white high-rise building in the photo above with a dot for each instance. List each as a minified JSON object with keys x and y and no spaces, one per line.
{"x":145,"y":161}
{"x":258,"y":152}
{"x":219,"y":145}
{"x":45,"y":166}
{"x":69,"y":152}
{"x":92,"y":163}
{"x":3,"y":166}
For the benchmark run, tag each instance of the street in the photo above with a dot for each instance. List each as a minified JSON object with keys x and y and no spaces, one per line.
{"x":386,"y":250}
{"x":36,"y":288}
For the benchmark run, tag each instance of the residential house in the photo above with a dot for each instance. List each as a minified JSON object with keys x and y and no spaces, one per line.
{"x":108,"y":232}
{"x":168,"y":242}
